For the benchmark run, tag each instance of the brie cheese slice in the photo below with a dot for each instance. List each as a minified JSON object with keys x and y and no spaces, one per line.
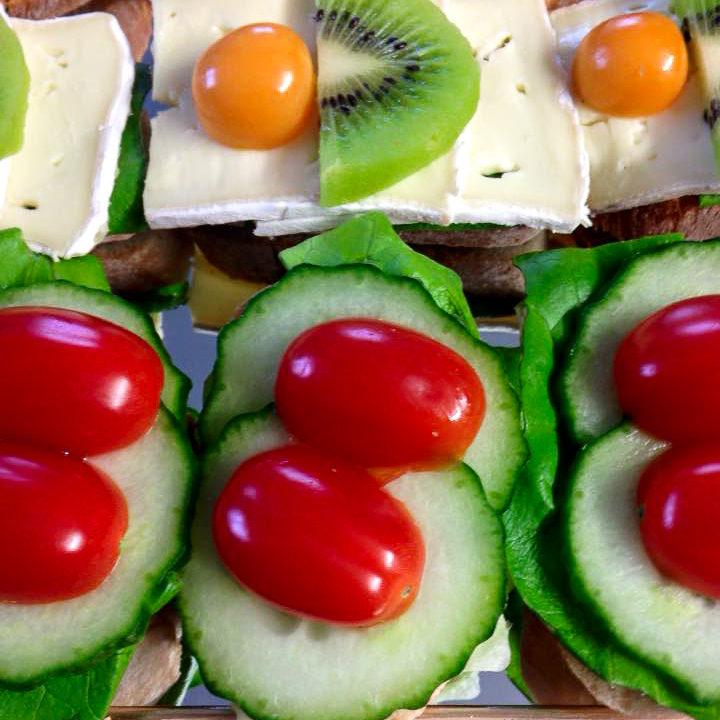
{"x":521,"y":159}
{"x":638,"y":161}
{"x":60,"y":183}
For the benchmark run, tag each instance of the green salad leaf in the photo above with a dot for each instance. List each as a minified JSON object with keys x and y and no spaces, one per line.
{"x":82,"y":695}
{"x":709,"y":200}
{"x":371,"y":240}
{"x":514,"y":615}
{"x":559,"y":284}
{"x":20,"y":266}
{"x":126,"y":212}
{"x":691,"y":8}
{"x":161,"y":299}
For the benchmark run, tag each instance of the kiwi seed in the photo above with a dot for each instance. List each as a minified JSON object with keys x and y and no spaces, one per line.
{"x":401,"y":59}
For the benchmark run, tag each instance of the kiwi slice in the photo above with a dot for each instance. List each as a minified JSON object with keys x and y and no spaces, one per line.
{"x":14,"y":90}
{"x":397,"y":83}
{"x":701,"y":26}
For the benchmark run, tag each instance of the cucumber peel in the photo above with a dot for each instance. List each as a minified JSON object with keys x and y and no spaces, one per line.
{"x":85,"y":692}
{"x":251,"y":347}
{"x":274,"y":665}
{"x":586,"y":383}
{"x":560,"y":283}
{"x":370,"y":239}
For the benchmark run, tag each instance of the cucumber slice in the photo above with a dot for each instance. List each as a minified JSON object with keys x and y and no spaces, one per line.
{"x":273,"y":665}
{"x":668,"y":626}
{"x":156,"y":476}
{"x":251,"y":347}
{"x":66,"y":295}
{"x":648,"y":284}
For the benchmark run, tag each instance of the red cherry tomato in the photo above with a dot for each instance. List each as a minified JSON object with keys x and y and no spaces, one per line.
{"x":379,"y":395}
{"x":679,"y":493}
{"x":667,"y":371}
{"x":73,"y":382}
{"x":61,"y":523}
{"x":319,"y":538}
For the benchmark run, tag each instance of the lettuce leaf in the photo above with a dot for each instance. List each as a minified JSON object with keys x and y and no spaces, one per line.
{"x":161,"y":299}
{"x":83,"y":695}
{"x":20,"y":266}
{"x":709,"y":200}
{"x":559,"y":284}
{"x":126,"y":212}
{"x":371,"y":240}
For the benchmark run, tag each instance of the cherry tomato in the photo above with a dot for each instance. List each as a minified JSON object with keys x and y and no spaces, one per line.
{"x":255,"y":87}
{"x":679,"y":494}
{"x":631,"y":65}
{"x":667,"y":371}
{"x":318,"y":537}
{"x":73,"y":382}
{"x":379,"y":395}
{"x":61,"y":523}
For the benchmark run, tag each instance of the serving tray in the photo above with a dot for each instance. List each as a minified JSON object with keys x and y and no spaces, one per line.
{"x":438,"y":712}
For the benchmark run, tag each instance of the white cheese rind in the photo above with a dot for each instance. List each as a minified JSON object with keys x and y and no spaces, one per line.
{"x":82,"y":73}
{"x":193,"y":177}
{"x":636,"y":162}
{"x":193,"y":180}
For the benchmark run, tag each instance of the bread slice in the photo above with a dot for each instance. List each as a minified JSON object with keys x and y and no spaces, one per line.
{"x":556,"y":677}
{"x":137,"y":264}
{"x":482,"y":258}
{"x":155,"y":665}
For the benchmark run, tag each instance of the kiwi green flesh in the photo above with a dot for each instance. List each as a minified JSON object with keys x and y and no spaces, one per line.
{"x":14,"y":90}
{"x":696,"y":12}
{"x":398,"y":83}
{"x":704,"y":34}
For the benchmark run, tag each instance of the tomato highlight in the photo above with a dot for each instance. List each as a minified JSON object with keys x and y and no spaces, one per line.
{"x":319,"y":538}
{"x":667,"y":371}
{"x":379,"y":395}
{"x":74,"y":382}
{"x":679,"y":493}
{"x":61,"y":523}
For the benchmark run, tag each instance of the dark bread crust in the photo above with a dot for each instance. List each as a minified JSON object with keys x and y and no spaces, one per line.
{"x":487,"y":271}
{"x":42,"y":9}
{"x":544,"y":668}
{"x":140,"y":263}
{"x":556,"y":677}
{"x":155,"y":665}
{"x":682,"y":215}
{"x":499,"y":237}
{"x":135,"y":18}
